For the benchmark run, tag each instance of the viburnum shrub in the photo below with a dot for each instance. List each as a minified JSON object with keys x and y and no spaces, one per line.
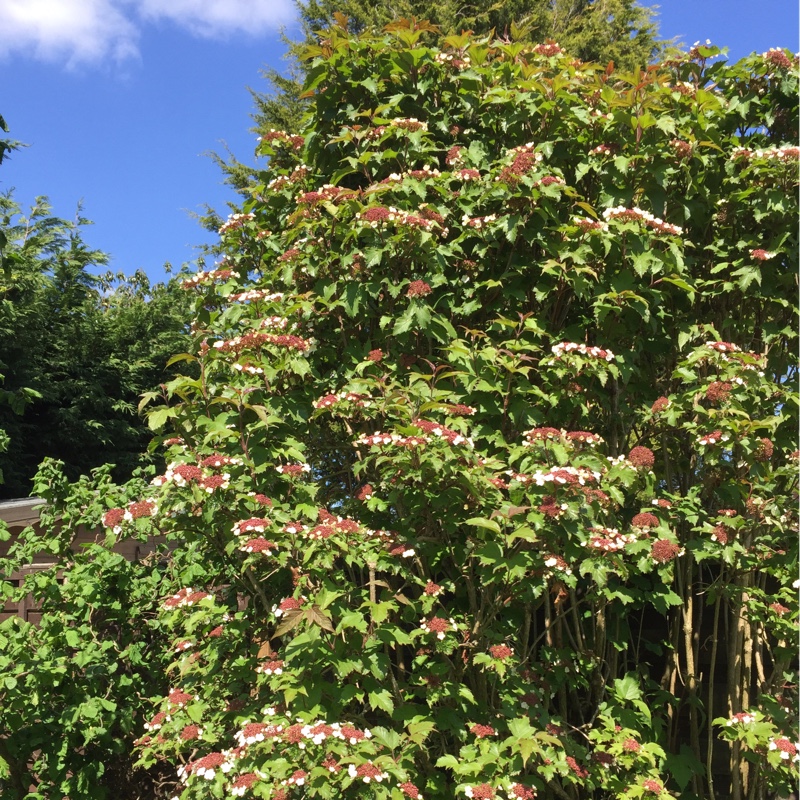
{"x":489,"y":472}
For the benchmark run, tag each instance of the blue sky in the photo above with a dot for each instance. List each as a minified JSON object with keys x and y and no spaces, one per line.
{"x":119,"y":101}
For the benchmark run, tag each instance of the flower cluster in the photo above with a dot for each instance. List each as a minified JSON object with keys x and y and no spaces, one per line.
{"x":645,"y":521}
{"x":563,"y":348}
{"x":642,"y":457}
{"x":460,"y":410}
{"x":423,"y":174}
{"x":158,"y":720}
{"x":467,"y":175}
{"x":638,"y":215}
{"x":549,"y":49}
{"x":524,"y":159}
{"x":586,"y":224}
{"x":297,"y":174}
{"x":185,"y":597}
{"x":297,"y":778}
{"x":584,"y":437}
{"x":663,"y":551}
{"x":659,"y":405}
{"x":178,"y":698}
{"x":764,"y":449}
{"x":217,"y":461}
{"x":330,"y":524}
{"x":518,"y":791}
{"x":580,"y":772}
{"x":243,"y":783}
{"x":292,"y":254}
{"x":713,"y":438}
{"x":631,"y":746}
{"x":234,"y":222}
{"x":456,"y":60}
{"x":717,"y":392}
{"x":255,"y":294}
{"x":482,"y":731}
{"x":367,"y":772}
{"x":380,"y":439}
{"x":553,"y":434}
{"x":556,"y":562}
{"x":439,"y":626}
{"x":254,"y":340}
{"x":210,"y":276}
{"x":682,"y":149}
{"x":604,"y":150}
{"x":549,"y":180}
{"x":724,"y":347}
{"x":784,"y":153}
{"x":293,"y":470}
{"x":273,"y":666}
{"x":694,"y":51}
{"x":435,"y":429}
{"x":294,"y":141}
{"x":741,"y":718}
{"x":720,"y":534}
{"x":206,"y":767}
{"x":327,"y":193}
{"x":453,"y":156}
{"x":288,"y":604}
{"x":608,"y":539}
{"x":300,"y":733}
{"x":559,"y":475}
{"x":551,"y":508}
{"x":418,"y":289}
{"x":136,"y":510}
{"x":258,"y":545}
{"x":354,"y":398}
{"x":478,"y":222}
{"x":762,"y":255}
{"x":380,"y":215}
{"x":275,"y":322}
{"x":480,"y":792}
{"x":777,"y":58}
{"x":409,"y":124}
{"x":252,"y":525}
{"x":787,"y":749}
{"x":500,"y":651}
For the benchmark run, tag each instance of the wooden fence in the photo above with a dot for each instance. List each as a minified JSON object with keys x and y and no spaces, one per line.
{"x":18,"y":515}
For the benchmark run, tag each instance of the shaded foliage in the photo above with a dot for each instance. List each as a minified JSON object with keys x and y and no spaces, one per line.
{"x":79,"y":349}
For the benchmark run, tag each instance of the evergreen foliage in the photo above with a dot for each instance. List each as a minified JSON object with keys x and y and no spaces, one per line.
{"x":79,"y":349}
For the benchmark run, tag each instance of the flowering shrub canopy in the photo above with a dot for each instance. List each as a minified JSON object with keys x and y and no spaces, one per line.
{"x":468,"y":537}
{"x":526,"y":430}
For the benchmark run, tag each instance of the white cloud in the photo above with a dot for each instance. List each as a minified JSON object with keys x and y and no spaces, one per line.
{"x":219,"y":17}
{"x":77,"y":31}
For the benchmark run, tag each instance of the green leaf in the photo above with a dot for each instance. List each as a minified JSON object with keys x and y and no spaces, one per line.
{"x":158,"y":417}
{"x":381,"y":699}
{"x":482,"y":522}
